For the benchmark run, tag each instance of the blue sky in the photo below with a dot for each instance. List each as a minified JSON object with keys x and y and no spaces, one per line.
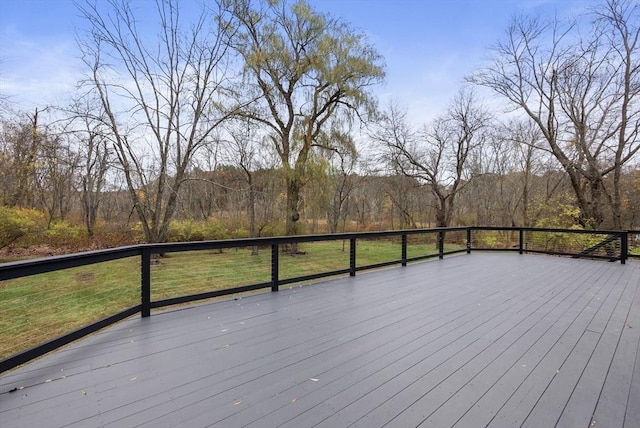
{"x":429,"y":45}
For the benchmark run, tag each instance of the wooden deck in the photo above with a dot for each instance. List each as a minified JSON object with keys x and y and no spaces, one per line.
{"x":477,"y":340}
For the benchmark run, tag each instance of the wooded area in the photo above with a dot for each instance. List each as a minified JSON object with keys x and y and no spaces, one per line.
{"x":260,"y":118}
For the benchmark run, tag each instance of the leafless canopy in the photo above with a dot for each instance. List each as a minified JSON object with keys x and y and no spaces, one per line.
{"x":582,"y":92}
{"x":162,"y":96}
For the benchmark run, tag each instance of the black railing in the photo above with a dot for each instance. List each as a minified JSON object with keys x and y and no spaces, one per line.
{"x":609,"y":245}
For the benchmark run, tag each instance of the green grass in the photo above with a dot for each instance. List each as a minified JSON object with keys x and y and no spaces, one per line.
{"x":40,"y":307}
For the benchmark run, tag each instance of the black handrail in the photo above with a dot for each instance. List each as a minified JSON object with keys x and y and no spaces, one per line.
{"x":146,"y":251}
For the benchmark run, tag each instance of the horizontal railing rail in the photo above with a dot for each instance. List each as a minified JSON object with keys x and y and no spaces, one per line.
{"x":610,"y":245}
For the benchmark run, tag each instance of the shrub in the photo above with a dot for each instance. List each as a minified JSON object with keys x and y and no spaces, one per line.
{"x":273,"y":229}
{"x":213,"y":229}
{"x":240,"y":232}
{"x":19,"y":224}
{"x":185,"y":230}
{"x":63,"y":233}
{"x":192,"y":230}
{"x":487,"y":239}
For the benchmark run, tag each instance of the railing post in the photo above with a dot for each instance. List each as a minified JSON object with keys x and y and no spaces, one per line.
{"x":468,"y":240}
{"x":521,"y":241}
{"x":624,"y":246}
{"x":352,"y":257}
{"x":145,"y":289}
{"x":404,"y":249}
{"x":440,"y":245}
{"x":275,"y":254}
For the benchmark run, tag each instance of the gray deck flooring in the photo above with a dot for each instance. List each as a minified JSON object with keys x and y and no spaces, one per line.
{"x":476,"y":340}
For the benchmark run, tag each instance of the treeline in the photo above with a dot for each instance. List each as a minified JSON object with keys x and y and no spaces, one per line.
{"x":259,"y":118}
{"x":46,"y":202}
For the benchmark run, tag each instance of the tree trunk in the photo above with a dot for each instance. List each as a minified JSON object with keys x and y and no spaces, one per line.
{"x":593,"y":215}
{"x":252,"y":216}
{"x":90,"y":213}
{"x":293,"y":199}
{"x":525,"y":196}
{"x":616,"y":204}
{"x":441,"y":215}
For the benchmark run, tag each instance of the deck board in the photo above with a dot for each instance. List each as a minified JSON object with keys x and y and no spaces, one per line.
{"x":530,"y":351}
{"x":473,"y":340}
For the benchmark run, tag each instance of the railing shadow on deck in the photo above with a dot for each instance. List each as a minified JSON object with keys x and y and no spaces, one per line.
{"x":402,"y":246}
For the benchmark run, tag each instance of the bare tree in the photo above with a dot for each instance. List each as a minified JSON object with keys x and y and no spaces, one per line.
{"x":582,"y":93}
{"x":162,"y":99}
{"x":438,"y":155}
{"x":86,"y":124}
{"x":21,"y":142}
{"x":504,"y":170}
{"x":621,"y":19}
{"x":55,"y":175}
{"x":38,"y":166}
{"x":526,"y":139}
{"x":343,"y":181}
{"x":242,"y":150}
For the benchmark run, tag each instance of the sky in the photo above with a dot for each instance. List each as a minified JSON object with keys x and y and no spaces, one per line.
{"x":428,"y":45}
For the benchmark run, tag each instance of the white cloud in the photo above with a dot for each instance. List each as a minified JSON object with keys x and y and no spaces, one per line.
{"x":35,"y":73}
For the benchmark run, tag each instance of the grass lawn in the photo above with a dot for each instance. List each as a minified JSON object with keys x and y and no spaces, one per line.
{"x":38,"y":308}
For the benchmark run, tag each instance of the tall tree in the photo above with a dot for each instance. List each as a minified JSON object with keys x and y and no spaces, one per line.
{"x":56,"y":171}
{"x":38,"y":166}
{"x":621,"y":22}
{"x":21,"y":141}
{"x":86,"y":124}
{"x":504,"y":170}
{"x":526,"y":139}
{"x":311,"y":71}
{"x":439,"y":155}
{"x":162,"y":97}
{"x":242,"y":151}
{"x":343,"y":181}
{"x":581,"y":92}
